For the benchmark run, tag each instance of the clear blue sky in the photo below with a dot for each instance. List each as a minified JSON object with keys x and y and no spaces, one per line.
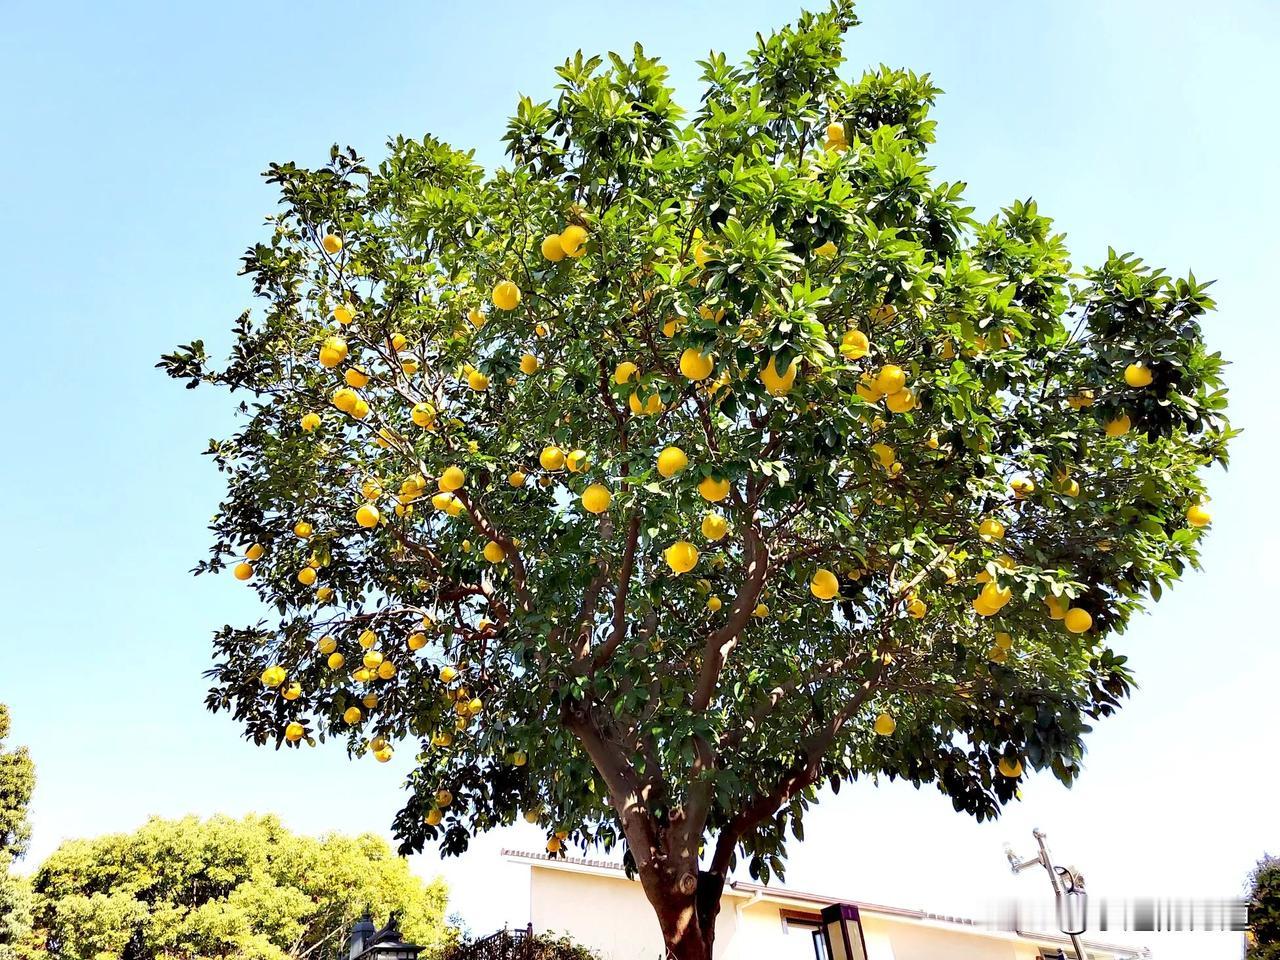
{"x":134,"y":136}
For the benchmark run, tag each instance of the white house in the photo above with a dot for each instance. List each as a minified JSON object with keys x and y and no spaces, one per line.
{"x":595,"y":903}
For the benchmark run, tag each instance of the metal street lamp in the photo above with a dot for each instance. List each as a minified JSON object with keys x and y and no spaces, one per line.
{"x":1068,"y":891}
{"x":842,"y":932}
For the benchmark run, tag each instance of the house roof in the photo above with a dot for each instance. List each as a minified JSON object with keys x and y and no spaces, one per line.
{"x":785,"y":895}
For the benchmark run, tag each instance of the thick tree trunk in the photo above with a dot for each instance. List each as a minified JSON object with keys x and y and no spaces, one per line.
{"x":688,"y":921}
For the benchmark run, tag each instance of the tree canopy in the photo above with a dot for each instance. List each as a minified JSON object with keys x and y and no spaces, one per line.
{"x":17,"y":780}
{"x":691,"y":461}
{"x":221,"y":887}
{"x":1263,"y":936}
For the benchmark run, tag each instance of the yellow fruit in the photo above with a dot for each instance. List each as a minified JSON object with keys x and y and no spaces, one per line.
{"x":310,"y":421}
{"x":442,"y":739}
{"x":904,"y":401}
{"x":890,"y":379}
{"x":361,"y":675}
{"x":361,"y":409}
{"x":386,"y":670}
{"x":624,"y":371}
{"x":356,"y":377}
{"x":324,"y":594}
{"x":1077,"y":620}
{"x":519,"y":758}
{"x":826,"y":251}
{"x":273,"y":676}
{"x":696,"y":365}
{"x":516,"y":478}
{"x":995,"y":596}
{"x":1003,"y":640}
{"x":835,"y":132}
{"x":529,"y":364}
{"x":443,"y":798}
{"x":476,"y":317}
{"x":702,"y":254}
{"x":1137,"y":375}
{"x":383,"y":755}
{"x":916,"y":608}
{"x":671,"y":461}
{"x":681,"y":556}
{"x":475,"y":706}
{"x":761,"y":611}
{"x":345,"y":399}
{"x":672,"y":326}
{"x":243,"y":571}
{"x":477,"y":381}
{"x":1022,"y":487}
{"x":867,"y":390}
{"x":838,"y":146}
{"x":327,"y":645}
{"x":336,"y":661}
{"x":714,"y":526}
{"x":344,"y":314}
{"x":434,"y":816}
{"x":779,"y":384}
{"x":885,"y":725}
{"x":307,"y":576}
{"x":1119,"y":426}
{"x":713,"y":488}
{"x":541,"y":329}
{"x":572,"y":238}
{"x":332,"y":243}
{"x":452,"y":479}
{"x":991,"y":529}
{"x":714,"y":603}
{"x":506,"y":295}
{"x":368,"y":639}
{"x":448,"y":674}
{"x":551,"y":458}
{"x":596,"y":498}
{"x":372,"y":659}
{"x":854,"y":345}
{"x":294,"y":732}
{"x":352,"y":715}
{"x":1080,"y":400}
{"x":1069,"y":487}
{"x":706,"y":312}
{"x":368,"y":515}
{"x":417,"y":641}
{"x":1198,"y":516}
{"x":553,"y":845}
{"x":824,"y":585}
{"x":884,"y":453}
{"x":884,"y":313}
{"x":333,"y":351}
{"x":577,"y":461}
{"x":551,"y":248}
{"x":1009,"y":768}
{"x":494,"y":553}
{"x":1057,"y":607}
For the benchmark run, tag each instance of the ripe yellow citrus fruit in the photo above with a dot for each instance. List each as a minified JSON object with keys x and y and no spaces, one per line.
{"x":714,"y":603}
{"x":352,"y":715}
{"x":991,"y":529}
{"x":596,"y":498}
{"x":761,"y":611}
{"x":884,"y":313}
{"x":494,"y":553}
{"x":714,"y":526}
{"x":344,"y":314}
{"x":854,"y":345}
{"x":904,"y":401}
{"x":477,"y":381}
{"x":714,"y":489}
{"x":1077,"y":620}
{"x":551,"y":248}
{"x":361,"y":409}
{"x":572,"y":238}
{"x":476,"y":317}
{"x":826,"y":251}
{"x":332,"y":243}
{"x":1022,"y":486}
{"x":443,"y":798}
{"x":890,"y":379}
{"x":681,"y":556}
{"x":779,"y":384}
{"x":916,"y":608}
{"x":294,"y":732}
{"x":372,"y":659}
{"x":383,"y":755}
{"x":243,"y":571}
{"x":867,"y":390}
{"x":417,"y":641}
{"x":577,"y":461}
{"x":336,"y":661}
{"x":333,"y":351}
{"x":696,"y":365}
{"x":386,"y":670}
{"x":885,"y":725}
{"x":273,"y":676}
{"x":475,"y":706}
{"x":824,"y":584}
{"x":884,"y":453}
{"x":995,"y":596}
{"x":1057,"y":607}
{"x":434,"y":817}
{"x":310,"y":421}
{"x":442,"y":739}
{"x":356,"y":377}
{"x":516,"y":478}
{"x":306,"y":576}
{"x":1119,"y":426}
{"x":702,"y":254}
{"x":345,"y":399}
{"x":368,"y":639}
{"x":448,"y":674}
{"x":624,"y":371}
{"x":835,"y":132}
{"x":1009,"y":768}
{"x":1080,"y":400}
{"x":529,"y":364}
{"x":368,"y":515}
{"x":519,"y":758}
{"x":671,"y":461}
{"x":1137,"y":375}
{"x":553,"y":845}
{"x":327,"y":644}
{"x":551,"y":458}
{"x":1198,"y":516}
{"x":423,"y":414}
{"x":452,"y":479}
{"x":506,"y":295}
{"x":1003,"y":640}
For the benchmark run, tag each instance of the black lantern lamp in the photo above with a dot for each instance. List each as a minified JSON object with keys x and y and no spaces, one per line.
{"x":385,"y":944}
{"x":842,"y":932}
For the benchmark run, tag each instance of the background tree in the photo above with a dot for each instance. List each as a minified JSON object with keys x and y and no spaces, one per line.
{"x":685,"y":465}
{"x":1263,"y":936}
{"x":225,"y":888}
{"x":17,"y":780}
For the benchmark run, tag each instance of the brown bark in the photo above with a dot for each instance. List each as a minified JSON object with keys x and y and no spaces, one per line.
{"x":687,"y":919}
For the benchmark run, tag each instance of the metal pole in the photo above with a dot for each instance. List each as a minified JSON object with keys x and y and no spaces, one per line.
{"x":1047,"y":861}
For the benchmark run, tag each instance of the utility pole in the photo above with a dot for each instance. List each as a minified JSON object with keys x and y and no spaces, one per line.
{"x":1066,"y":881}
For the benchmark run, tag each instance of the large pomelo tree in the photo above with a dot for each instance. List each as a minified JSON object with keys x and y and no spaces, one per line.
{"x":689,"y":463}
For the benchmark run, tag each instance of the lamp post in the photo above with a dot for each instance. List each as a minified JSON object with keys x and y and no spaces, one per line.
{"x":1068,"y":891}
{"x":842,"y":932}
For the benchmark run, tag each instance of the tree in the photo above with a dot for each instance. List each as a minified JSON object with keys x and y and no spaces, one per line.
{"x":225,"y":888}
{"x":685,"y":465}
{"x":1263,"y":936}
{"x":17,"y":780}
